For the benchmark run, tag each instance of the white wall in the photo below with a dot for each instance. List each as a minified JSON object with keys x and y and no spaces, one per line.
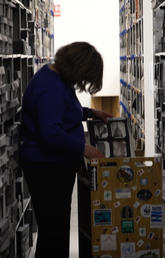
{"x":97,"y":22}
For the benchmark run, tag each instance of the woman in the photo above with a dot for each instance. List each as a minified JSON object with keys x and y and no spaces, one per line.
{"x":52,"y":139}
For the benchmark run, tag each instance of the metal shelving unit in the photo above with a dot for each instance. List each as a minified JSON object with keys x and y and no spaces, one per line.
{"x":136,"y":71}
{"x":26,"y":43}
{"x":132,"y":66}
{"x":147,"y":122}
{"x":158,"y":4}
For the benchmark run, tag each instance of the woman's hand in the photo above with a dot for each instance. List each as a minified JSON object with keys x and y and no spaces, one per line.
{"x":91,"y":152}
{"x":101,"y":115}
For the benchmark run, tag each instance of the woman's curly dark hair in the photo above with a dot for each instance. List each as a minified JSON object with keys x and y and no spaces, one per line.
{"x":80,"y":66}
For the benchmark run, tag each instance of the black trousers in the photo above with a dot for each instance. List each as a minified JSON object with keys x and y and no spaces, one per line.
{"x":50,"y":186}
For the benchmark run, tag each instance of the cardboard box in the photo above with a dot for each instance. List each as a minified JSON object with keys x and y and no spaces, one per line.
{"x":126,"y":207}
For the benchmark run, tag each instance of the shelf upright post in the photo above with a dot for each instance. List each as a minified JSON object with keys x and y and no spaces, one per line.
{"x":148,"y":78}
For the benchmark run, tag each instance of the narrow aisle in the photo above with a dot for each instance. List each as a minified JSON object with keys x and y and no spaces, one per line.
{"x":74,"y":224}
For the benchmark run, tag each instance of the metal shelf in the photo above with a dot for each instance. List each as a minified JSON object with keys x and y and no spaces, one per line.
{"x":17,"y":63}
{"x":16,"y":56}
{"x":159,"y":5}
{"x":21,"y":5}
{"x":160,"y":54}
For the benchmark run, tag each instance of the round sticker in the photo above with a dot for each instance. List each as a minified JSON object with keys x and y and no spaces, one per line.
{"x":125,"y":174}
{"x":144,"y":195}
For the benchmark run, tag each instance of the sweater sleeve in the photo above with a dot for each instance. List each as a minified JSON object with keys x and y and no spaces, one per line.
{"x":87,"y":113}
{"x":50,"y":110}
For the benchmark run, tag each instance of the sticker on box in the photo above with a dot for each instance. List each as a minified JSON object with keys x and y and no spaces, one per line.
{"x":104,"y":183}
{"x":144,"y":195}
{"x":134,"y":188}
{"x":143,"y":181}
{"x":148,"y":246}
{"x":136,"y":205}
{"x":102,"y":206}
{"x":102,"y":217}
{"x":125,"y":174}
{"x":96,"y":248}
{"x":127,"y":250}
{"x":151,"y":235}
{"x":116,"y":204}
{"x":123,"y":193}
{"x":157,"y":159}
{"x":115,"y":230}
{"x":157,"y":192}
{"x":140,"y":172}
{"x":145,"y":210}
{"x":140,"y":242}
{"x":127,"y":212}
{"x":108,"y":242}
{"x":142,"y":232}
{"x":96,"y":203}
{"x":107,"y":195}
{"x":126,"y":160}
{"x":94,"y":161}
{"x":153,"y":253}
{"x":137,"y":219}
{"x":106,"y":173}
{"x":106,"y":164}
{"x":156,"y":218}
{"x":93,"y":171}
{"x":127,"y":226}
